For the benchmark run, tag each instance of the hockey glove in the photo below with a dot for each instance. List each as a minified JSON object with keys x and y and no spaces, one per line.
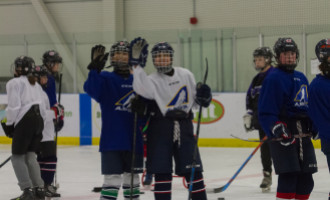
{"x":98,"y":58}
{"x":280,"y":130}
{"x":138,"y":106}
{"x":138,"y":52}
{"x":9,"y":130}
{"x":247,"y":118}
{"x":203,"y":95}
{"x":59,"y":116}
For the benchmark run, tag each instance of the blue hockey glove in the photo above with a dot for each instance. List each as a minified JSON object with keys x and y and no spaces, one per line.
{"x":9,"y":130}
{"x":98,"y":58}
{"x":138,"y":53}
{"x":203,"y":95}
{"x":280,"y":130}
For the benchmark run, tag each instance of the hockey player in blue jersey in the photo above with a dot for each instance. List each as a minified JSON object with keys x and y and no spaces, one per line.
{"x":262,"y":58}
{"x":170,"y":134}
{"x":47,"y":157}
{"x":283,"y":104}
{"x":319,"y":97}
{"x":114,"y":92}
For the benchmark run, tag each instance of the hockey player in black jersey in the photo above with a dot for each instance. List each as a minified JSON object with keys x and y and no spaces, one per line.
{"x":173,"y":93}
{"x":283,"y":104}
{"x":262,"y":58}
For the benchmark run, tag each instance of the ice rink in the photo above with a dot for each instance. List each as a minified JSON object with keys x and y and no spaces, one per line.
{"x":79,"y":172}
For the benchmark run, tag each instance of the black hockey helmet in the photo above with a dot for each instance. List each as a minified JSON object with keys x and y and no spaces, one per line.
{"x":120,"y":66}
{"x":265,"y":52}
{"x":284,"y":45}
{"x":51,"y":57}
{"x":164,"y":48}
{"x":322,"y":50}
{"x":40,"y":70}
{"x":24,"y":65}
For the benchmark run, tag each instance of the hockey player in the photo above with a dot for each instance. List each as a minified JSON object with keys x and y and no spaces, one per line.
{"x":47,"y":157}
{"x":25,"y":122}
{"x":318,"y":105}
{"x":283,"y":104}
{"x":262,"y":58}
{"x":47,"y":151}
{"x":114,"y":92}
{"x":170,"y":132}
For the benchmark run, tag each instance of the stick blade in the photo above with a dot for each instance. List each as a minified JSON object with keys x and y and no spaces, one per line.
{"x":220,"y":189}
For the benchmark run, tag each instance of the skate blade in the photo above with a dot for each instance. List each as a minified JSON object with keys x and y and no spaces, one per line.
{"x":265,"y":190}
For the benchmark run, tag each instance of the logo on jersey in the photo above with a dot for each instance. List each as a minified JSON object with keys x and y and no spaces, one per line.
{"x":124,"y":103}
{"x":301,"y":98}
{"x":180,"y":99}
{"x":211,"y":114}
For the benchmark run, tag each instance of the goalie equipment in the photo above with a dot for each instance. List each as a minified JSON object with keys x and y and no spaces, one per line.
{"x":119,"y":57}
{"x":285,"y":45}
{"x":50,"y":58}
{"x":24,"y":65}
{"x":162,"y":57}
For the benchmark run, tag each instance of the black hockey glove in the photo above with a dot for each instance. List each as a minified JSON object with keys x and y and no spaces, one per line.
{"x":138,"y":53}
{"x":98,"y":58}
{"x":203,"y":95}
{"x":9,"y":130}
{"x":280,"y":130}
{"x":138,"y":106}
{"x":58,"y":124}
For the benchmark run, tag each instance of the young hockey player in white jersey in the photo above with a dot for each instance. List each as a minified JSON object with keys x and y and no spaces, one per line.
{"x":114,"y":92}
{"x":25,"y":122}
{"x":170,"y":132}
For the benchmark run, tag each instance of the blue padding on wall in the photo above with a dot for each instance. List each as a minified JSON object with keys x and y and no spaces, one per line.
{"x":85,"y":119}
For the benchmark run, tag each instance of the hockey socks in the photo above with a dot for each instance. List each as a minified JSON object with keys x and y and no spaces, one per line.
{"x":48,"y":168}
{"x":163,"y":186}
{"x":198,"y":190}
{"x":127,"y":186}
{"x":110,"y":187}
{"x":296,"y":186}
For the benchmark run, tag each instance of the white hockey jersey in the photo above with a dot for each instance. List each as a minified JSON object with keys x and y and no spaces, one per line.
{"x":170,"y":92}
{"x":48,"y":133}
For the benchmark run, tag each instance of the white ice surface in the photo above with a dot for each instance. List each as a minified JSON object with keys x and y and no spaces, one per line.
{"x":79,"y":172}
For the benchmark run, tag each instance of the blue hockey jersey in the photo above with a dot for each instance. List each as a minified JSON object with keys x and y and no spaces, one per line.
{"x":283,"y":95}
{"x":114,"y":93}
{"x":319,"y":105}
{"x":50,"y":89}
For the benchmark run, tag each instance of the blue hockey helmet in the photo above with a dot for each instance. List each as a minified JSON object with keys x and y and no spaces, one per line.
{"x":162,"y":49}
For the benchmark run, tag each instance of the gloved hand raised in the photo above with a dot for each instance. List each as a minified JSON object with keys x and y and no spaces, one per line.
{"x":203,"y":94}
{"x":138,"y":53}
{"x":280,"y":130}
{"x":247,"y":118}
{"x":98,"y":58}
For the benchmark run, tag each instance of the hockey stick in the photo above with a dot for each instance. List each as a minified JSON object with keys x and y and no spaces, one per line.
{"x":4,"y":162}
{"x":56,"y":132}
{"x":223,"y":188}
{"x":249,"y":140}
{"x":99,"y":189}
{"x":193,"y":165}
{"x":133,"y":154}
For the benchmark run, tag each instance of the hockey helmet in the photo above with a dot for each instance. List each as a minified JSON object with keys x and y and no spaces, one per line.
{"x":322,"y":50}
{"x":24,"y":65}
{"x":120,"y":63}
{"x":161,"y":52}
{"x":265,"y":52}
{"x":284,"y":45}
{"x":51,"y":57}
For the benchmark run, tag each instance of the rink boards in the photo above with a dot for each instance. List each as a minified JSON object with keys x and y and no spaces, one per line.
{"x":221,"y":119}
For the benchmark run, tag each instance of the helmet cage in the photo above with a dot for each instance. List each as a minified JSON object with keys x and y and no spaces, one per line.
{"x":24,"y":65}
{"x":50,"y":58}
{"x":285,"y":45}
{"x":265,"y":52}
{"x":322,"y":50}
{"x":159,"y":51}
{"x":119,"y":47}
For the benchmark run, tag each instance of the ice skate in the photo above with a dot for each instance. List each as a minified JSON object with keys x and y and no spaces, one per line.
{"x":266,"y":182}
{"x":148,"y":180}
{"x":50,"y":192}
{"x":28,"y":194}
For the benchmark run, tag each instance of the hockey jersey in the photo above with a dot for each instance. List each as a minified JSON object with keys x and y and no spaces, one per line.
{"x":318,"y":105}
{"x":114,"y":93}
{"x":283,"y":95}
{"x":169,"y":92}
